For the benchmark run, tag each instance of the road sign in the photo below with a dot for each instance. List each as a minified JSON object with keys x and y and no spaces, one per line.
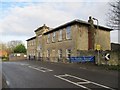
{"x":98,"y":47}
{"x":107,"y":56}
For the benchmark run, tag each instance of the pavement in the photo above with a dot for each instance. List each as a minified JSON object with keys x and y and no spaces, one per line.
{"x":37,"y":74}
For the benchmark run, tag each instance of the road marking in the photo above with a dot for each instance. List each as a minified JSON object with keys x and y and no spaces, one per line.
{"x":91,"y":82}
{"x":83,"y":82}
{"x":72,"y":82}
{"x":36,"y":68}
{"x":8,"y":83}
{"x":79,"y":83}
{"x":41,"y":69}
{"x":46,"y":69}
{"x":23,"y":64}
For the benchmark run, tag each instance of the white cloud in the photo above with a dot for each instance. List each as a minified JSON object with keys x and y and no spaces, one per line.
{"x":22,"y":21}
{"x":56,"y":0}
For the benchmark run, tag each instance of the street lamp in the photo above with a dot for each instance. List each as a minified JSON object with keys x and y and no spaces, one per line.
{"x":97,"y":28}
{"x":97,"y":21}
{"x":97,"y":46}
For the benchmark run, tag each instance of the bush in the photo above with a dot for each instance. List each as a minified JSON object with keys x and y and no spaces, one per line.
{"x":4,"y":58}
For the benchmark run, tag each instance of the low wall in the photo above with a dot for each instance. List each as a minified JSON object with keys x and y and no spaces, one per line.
{"x":100,"y":56}
{"x":17,"y":56}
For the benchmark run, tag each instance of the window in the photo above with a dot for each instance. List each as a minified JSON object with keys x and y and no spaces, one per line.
{"x":60,"y":53}
{"x":53,"y":37}
{"x":60,"y":35}
{"x":68,"y":32}
{"x":48,"y":53}
{"x":68,"y":53}
{"x":48,"y":38}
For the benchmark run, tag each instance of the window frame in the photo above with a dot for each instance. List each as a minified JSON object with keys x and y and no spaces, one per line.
{"x":68,"y":52}
{"x":53,"y":36}
{"x":48,"y":53}
{"x":48,"y":38}
{"x":60,"y":35}
{"x":60,"y":53}
{"x":68,"y":32}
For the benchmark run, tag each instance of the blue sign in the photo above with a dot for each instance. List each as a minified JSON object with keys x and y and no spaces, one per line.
{"x":82,"y":59}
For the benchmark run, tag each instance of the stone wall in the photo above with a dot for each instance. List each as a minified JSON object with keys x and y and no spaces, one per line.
{"x":114,"y":56}
{"x":17,"y":56}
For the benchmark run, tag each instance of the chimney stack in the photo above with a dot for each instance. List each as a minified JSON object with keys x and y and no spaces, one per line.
{"x":90,"y":20}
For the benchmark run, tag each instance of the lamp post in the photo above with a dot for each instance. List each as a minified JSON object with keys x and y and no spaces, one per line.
{"x":97,"y":46}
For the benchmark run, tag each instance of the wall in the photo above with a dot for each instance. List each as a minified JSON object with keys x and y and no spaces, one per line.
{"x":114,"y":56}
{"x":103,"y":38}
{"x":78,"y":41}
{"x":63,"y":44}
{"x":82,"y":37}
{"x":31,"y":47}
{"x":17,"y":56}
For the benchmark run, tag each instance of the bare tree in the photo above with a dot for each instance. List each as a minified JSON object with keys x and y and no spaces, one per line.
{"x":3,"y":46}
{"x":12,"y":44}
{"x":114,"y":15}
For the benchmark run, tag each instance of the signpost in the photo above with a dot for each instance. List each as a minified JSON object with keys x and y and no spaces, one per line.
{"x":98,"y":47}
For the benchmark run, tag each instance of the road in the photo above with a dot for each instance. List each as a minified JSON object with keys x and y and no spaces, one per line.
{"x":36,"y":74}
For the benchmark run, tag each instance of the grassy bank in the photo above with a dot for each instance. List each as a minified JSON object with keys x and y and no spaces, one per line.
{"x":107,"y":67}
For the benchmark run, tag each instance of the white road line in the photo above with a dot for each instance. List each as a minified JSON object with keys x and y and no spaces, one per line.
{"x":83,"y":82}
{"x":42,"y":69}
{"x":36,"y":68}
{"x":77,"y":77}
{"x":62,"y":75}
{"x":72,"y":82}
{"x":102,"y":86}
{"x":8,"y":83}
{"x":78,"y":83}
{"x":91,"y":82}
{"x":23,"y":64}
{"x":46,"y":69}
{"x":39,"y":69}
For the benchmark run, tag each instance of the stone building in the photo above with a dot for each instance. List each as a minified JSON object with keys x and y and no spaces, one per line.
{"x":31,"y":47}
{"x":66,"y":40}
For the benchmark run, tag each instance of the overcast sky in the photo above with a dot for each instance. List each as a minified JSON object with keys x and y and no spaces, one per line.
{"x":20,"y":18}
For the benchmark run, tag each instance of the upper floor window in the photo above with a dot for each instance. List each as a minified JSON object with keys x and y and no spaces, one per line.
{"x":68,"y":32}
{"x":48,"y":38}
{"x":53,"y":37}
{"x":60,"y":35}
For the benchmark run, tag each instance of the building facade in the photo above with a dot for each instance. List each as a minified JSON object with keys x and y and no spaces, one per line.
{"x":31,"y":48}
{"x":66,"y":40}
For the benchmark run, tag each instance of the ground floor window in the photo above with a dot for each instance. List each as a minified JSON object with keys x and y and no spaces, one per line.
{"x":60,"y":53}
{"x":68,"y":53}
{"x":48,"y":53}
